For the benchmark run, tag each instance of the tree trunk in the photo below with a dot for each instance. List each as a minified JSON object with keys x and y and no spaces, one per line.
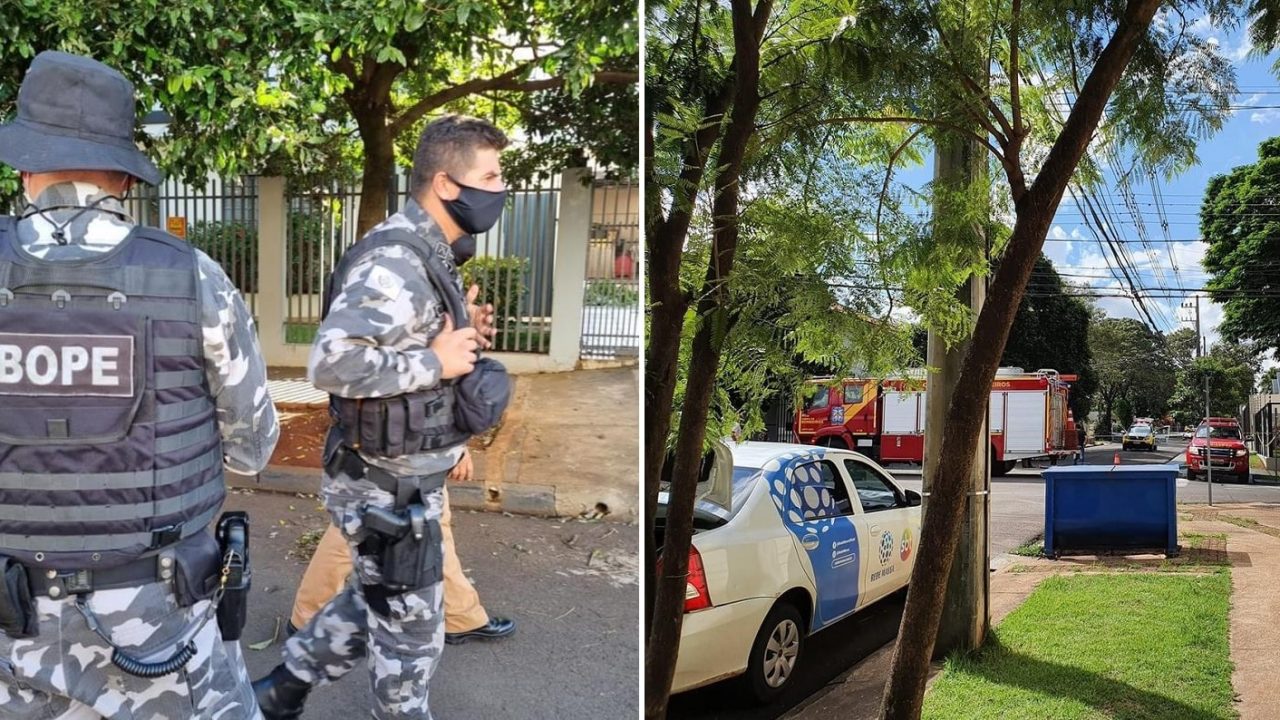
{"x":904,"y":694}
{"x":668,"y":615}
{"x":666,"y":238}
{"x":379,"y":164}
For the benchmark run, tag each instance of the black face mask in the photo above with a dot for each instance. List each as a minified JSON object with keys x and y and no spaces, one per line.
{"x":464,"y":248}
{"x":475,"y":210}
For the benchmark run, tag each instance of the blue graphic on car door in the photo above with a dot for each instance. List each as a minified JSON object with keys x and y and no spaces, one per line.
{"x":827,"y":536}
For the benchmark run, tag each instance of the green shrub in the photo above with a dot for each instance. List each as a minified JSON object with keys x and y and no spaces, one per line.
{"x":502,"y":282}
{"x":233,"y":245}
{"x":605,"y":292}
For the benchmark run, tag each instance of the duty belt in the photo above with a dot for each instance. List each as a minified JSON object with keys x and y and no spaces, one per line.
{"x":349,"y":463}
{"x":61,"y":583}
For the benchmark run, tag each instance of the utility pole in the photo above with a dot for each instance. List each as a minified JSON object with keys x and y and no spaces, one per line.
{"x":1199,"y":351}
{"x":966,"y":612}
{"x":1200,"y":347}
{"x":1208,"y":441}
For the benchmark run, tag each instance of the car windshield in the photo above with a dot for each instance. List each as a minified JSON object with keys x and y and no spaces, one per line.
{"x":1140,"y":431}
{"x":1219,"y":431}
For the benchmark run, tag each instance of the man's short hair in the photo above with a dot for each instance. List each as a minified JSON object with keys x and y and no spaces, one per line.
{"x":449,"y":145}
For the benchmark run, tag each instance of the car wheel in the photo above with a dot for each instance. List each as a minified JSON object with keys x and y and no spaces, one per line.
{"x":775,"y":653}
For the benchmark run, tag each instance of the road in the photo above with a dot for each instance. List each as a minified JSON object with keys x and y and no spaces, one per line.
{"x":1017,"y":515}
{"x":571,"y":585}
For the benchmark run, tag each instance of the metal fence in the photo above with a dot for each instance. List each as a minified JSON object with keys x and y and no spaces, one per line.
{"x":320,"y":223}
{"x":220,"y":218}
{"x":779,"y":421}
{"x":513,"y":265}
{"x":611,"y":320}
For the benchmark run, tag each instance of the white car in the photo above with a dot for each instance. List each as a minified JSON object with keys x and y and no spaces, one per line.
{"x":788,"y":539}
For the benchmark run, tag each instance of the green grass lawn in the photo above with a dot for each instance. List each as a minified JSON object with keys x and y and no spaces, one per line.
{"x":1122,"y":646}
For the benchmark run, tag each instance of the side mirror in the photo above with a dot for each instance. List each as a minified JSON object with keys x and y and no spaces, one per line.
{"x":913,"y":498}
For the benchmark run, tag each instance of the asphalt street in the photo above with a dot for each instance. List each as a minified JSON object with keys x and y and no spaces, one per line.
{"x":571,"y":585}
{"x":1017,"y":516}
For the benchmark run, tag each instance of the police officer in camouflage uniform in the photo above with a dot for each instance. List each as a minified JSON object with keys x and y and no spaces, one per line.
{"x":130,"y":377}
{"x":388,"y":351}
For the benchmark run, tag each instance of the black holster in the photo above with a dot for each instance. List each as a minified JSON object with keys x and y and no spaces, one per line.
{"x":409,"y":547}
{"x":233,"y":538}
{"x":18,"y":617}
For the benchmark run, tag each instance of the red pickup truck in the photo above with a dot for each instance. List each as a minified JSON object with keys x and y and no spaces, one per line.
{"x":1227,"y":453}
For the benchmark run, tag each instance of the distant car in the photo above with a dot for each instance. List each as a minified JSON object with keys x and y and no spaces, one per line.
{"x":1141,"y":437}
{"x":788,"y":539}
{"x":1217,"y":445}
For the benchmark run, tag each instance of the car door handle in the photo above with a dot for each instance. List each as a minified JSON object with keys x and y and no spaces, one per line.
{"x":875,"y":528}
{"x":809,"y":542}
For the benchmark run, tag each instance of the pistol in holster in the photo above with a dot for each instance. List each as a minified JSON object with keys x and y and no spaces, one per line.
{"x":232,"y":533}
{"x":407,"y":544}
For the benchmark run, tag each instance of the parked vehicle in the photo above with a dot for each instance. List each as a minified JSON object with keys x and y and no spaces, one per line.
{"x":1140,"y":437}
{"x":1217,"y":444}
{"x":885,"y":419}
{"x":788,"y":539}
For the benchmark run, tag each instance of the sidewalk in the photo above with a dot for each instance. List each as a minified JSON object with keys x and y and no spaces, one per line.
{"x":1253,"y":549}
{"x":570,"y":585}
{"x":568,"y":446}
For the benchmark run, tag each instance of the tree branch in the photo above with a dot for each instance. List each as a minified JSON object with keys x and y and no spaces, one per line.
{"x":1013,"y":74}
{"x":884,"y":192}
{"x":509,"y":80}
{"x":973,"y":86}
{"x":920,"y":121}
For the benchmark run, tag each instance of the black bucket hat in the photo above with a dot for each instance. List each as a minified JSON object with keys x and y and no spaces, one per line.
{"x":74,"y":113}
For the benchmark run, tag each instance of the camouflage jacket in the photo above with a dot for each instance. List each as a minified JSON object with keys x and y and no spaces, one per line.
{"x":376,"y":340}
{"x":234,"y":367}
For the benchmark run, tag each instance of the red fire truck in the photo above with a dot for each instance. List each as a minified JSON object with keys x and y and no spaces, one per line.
{"x":884,"y":419}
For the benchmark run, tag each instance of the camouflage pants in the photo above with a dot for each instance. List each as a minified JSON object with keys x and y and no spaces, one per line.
{"x":400,"y":643}
{"x":65,"y":673}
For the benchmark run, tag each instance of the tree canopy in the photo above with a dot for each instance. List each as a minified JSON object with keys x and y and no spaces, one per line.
{"x":1244,"y":247}
{"x":1133,"y":367}
{"x":326,"y":88}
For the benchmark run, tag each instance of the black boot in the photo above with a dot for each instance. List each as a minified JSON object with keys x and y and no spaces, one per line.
{"x":281,"y":694}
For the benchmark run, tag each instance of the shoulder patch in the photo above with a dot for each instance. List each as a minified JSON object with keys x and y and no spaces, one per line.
{"x":385,"y":282}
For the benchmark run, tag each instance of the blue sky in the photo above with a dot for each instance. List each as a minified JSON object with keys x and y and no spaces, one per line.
{"x":1077,"y":255}
{"x":1074,"y":251}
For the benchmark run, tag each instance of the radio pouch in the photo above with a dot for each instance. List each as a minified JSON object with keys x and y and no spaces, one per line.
{"x":18,"y":617}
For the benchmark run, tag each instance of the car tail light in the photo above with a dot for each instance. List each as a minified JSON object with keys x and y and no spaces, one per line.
{"x":696,"y":596}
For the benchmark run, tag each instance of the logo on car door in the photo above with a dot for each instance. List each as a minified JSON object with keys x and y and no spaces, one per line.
{"x":886,"y":547}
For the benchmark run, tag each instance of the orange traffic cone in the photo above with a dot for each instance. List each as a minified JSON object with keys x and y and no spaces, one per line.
{"x":1116,"y":459}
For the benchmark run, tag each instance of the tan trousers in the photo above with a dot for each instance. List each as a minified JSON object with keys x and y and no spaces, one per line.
{"x":331,"y":564}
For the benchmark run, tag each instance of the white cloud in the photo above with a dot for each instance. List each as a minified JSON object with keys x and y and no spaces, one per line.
{"x":1201,"y":24}
{"x":1242,"y":51}
{"x":1265,"y":117}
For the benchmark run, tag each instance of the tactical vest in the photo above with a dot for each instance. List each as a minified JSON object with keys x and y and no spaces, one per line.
{"x":403,"y":424}
{"x":109,"y":441}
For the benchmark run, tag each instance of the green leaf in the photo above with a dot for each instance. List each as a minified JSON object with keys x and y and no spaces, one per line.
{"x":415,"y":20}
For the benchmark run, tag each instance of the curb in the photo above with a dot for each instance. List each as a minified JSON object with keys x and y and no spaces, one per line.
{"x":480,"y":495}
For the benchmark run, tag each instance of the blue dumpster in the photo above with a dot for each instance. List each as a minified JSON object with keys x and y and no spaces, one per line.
{"x":1101,"y":508}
